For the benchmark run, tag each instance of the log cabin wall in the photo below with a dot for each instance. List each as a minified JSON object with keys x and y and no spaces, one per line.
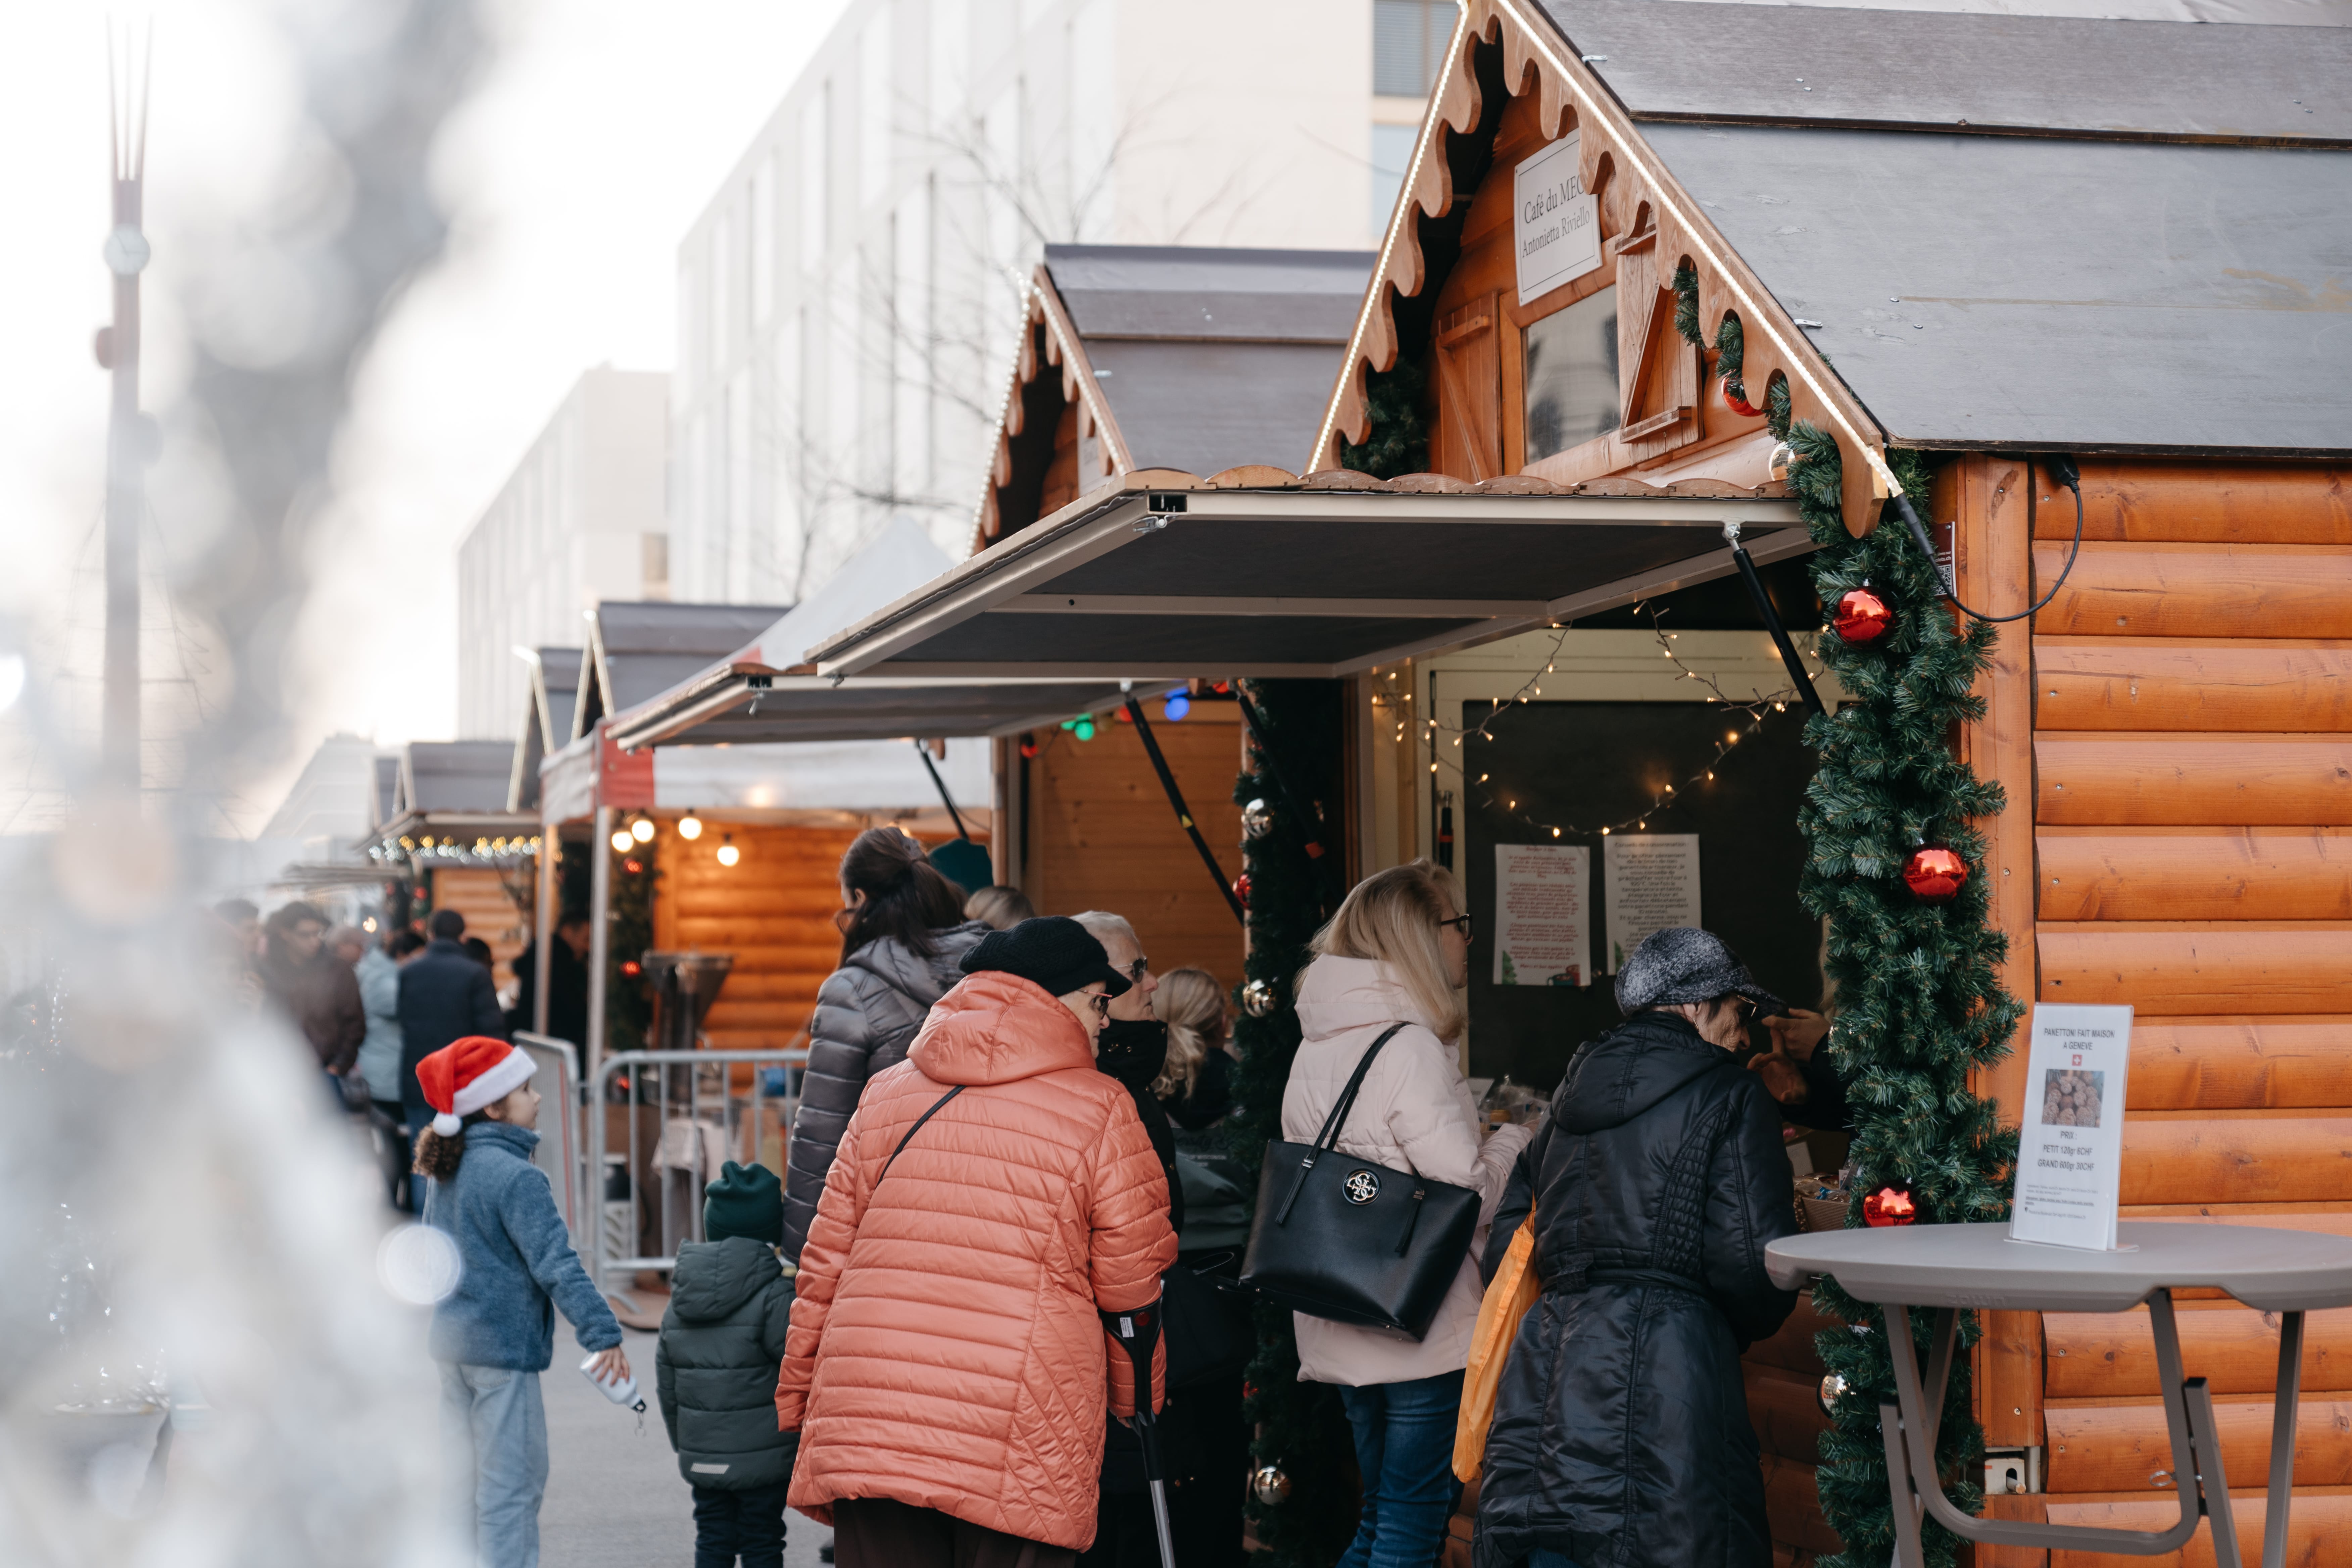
{"x":1100,"y":835}
{"x":2175,"y":738}
{"x":479,"y":894}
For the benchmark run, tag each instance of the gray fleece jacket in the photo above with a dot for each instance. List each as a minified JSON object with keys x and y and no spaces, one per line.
{"x":715,"y":1369}
{"x":867,"y":1011}
{"x":519,"y":1263}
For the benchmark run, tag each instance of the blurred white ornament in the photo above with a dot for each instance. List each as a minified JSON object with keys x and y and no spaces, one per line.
{"x":418,"y":1264}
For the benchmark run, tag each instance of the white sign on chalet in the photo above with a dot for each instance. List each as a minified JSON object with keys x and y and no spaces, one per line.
{"x":1557,"y":226}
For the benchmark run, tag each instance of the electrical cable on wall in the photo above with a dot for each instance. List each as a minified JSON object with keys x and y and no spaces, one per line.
{"x":2063,"y":470}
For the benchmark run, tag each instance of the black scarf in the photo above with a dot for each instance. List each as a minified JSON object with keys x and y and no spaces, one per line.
{"x":1134,"y":1052}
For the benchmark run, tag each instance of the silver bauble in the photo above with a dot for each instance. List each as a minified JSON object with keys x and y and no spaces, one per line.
{"x":1258,"y":999}
{"x":1271,"y":1484}
{"x":1833,"y":1388}
{"x":1257,"y":819}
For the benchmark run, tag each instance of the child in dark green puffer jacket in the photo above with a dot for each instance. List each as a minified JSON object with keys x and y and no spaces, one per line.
{"x":715,"y":1371}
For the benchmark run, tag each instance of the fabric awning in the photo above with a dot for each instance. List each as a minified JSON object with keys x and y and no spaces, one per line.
{"x":1142,"y":583}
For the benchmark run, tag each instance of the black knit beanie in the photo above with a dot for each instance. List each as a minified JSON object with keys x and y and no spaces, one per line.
{"x":746,"y":1200}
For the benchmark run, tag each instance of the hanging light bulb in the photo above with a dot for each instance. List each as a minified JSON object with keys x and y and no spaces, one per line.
{"x":689,"y":827}
{"x":1179,"y":704}
{"x":623,"y":839}
{"x":1085,"y":728}
{"x":728,"y":853}
{"x":641,"y":830}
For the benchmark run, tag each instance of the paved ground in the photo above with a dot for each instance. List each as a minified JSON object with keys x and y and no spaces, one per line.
{"x":614,"y":1499}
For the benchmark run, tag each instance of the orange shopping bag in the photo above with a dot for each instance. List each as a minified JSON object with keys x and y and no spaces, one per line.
{"x":1506,"y":1301}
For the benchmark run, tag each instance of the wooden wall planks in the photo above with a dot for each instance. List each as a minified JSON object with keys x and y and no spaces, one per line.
{"x":773,"y":911}
{"x":2317,"y":1529}
{"x":2190,"y":967}
{"x":2268,"y":1159}
{"x":2152,"y":779}
{"x":2194,"y":873}
{"x":2112,"y":1355}
{"x":2239,"y":1062}
{"x":2126,"y":1447}
{"x":2220,"y":503}
{"x":2198,"y":591}
{"x":2183,"y":683}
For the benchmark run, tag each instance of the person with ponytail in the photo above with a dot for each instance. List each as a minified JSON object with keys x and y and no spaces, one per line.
{"x":494,"y":1333}
{"x":902,"y":935}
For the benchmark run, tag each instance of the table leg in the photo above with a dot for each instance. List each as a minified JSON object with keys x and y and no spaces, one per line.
{"x":1907,"y":1550}
{"x":2290,"y":1392}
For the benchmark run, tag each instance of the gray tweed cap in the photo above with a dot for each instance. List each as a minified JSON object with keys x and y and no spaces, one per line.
{"x":1683,"y":964}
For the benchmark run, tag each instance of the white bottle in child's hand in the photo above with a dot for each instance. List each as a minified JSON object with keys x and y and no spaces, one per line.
{"x":617,"y":1382}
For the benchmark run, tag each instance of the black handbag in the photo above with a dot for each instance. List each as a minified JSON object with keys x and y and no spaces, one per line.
{"x":1342,"y":1238}
{"x":1208,"y":1327}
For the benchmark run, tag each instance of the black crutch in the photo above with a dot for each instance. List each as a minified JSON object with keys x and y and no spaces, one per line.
{"x":1139,"y":1331}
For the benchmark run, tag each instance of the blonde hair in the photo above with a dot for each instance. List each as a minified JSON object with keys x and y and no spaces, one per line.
{"x":999,"y":908}
{"x":1391,"y":918}
{"x":1191,"y":1002}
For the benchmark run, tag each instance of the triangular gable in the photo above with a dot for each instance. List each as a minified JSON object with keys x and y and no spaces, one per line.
{"x":1521,"y":53}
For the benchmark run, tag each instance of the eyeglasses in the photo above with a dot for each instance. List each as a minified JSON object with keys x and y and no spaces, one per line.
{"x":1460,"y":923}
{"x":1138,"y":969}
{"x":1101,"y":1000}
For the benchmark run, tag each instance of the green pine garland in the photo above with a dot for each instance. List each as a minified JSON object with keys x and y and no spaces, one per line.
{"x":1920,"y":999}
{"x":1397,"y":441}
{"x":1301,"y":1427}
{"x":628,"y":999}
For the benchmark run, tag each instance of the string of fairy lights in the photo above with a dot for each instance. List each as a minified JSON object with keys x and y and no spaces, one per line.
{"x":1755,"y":709}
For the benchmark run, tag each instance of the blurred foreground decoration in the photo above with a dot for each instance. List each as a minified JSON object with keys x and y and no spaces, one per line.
{"x":210,"y":1347}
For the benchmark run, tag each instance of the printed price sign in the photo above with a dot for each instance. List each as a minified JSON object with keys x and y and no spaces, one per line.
{"x":2069,"y":1149}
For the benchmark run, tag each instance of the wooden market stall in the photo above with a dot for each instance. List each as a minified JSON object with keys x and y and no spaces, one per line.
{"x":451,"y":842}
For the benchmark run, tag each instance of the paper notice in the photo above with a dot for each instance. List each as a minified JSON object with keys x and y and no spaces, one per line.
{"x":1543,"y":914}
{"x":1652,"y":884}
{"x":2070,"y":1150}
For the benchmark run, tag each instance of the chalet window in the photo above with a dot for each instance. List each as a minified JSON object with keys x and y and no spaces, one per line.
{"x":1571,"y":380}
{"x":1408,"y":43}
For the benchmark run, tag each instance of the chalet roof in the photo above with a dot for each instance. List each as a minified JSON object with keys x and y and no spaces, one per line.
{"x":455,"y":776}
{"x":1211,"y":359}
{"x":549,"y":695}
{"x":1983,"y":292}
{"x":2075,"y":76}
{"x":638,"y":649}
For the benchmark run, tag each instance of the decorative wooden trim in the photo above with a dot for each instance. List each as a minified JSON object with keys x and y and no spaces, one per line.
{"x":1618,"y":164}
{"x":1066,"y":350}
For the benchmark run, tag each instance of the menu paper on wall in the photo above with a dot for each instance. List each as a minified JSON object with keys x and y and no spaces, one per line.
{"x":1543,"y":914}
{"x":1556,"y":227}
{"x":1652,"y":882}
{"x":2070,"y":1150}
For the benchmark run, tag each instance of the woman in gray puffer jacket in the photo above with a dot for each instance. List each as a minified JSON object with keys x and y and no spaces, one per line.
{"x":902,"y":935}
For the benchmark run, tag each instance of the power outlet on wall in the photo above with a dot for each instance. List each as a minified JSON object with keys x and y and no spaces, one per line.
{"x":2012,"y":1471}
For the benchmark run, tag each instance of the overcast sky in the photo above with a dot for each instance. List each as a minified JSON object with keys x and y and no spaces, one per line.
{"x":600,"y":130}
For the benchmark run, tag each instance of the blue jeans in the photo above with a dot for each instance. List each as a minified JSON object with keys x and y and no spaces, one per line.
{"x":747,"y":1524}
{"x":1404,"y":1449}
{"x":496,"y":1430}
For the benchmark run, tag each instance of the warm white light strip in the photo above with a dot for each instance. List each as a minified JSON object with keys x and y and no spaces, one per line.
{"x":1630,"y":146}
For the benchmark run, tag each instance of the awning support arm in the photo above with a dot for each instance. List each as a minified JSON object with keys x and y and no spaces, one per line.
{"x":1176,"y":799}
{"x":940,"y":784}
{"x":1789,"y":659}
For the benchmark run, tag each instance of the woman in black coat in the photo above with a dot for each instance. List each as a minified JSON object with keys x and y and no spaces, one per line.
{"x":1620,"y":1437}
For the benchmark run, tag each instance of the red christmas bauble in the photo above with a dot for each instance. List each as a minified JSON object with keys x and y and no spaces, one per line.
{"x":632,"y":968}
{"x":1889,"y":1205}
{"x":1934,"y":874}
{"x":1241,"y":889}
{"x":1861,"y":617}
{"x":1737,"y":404}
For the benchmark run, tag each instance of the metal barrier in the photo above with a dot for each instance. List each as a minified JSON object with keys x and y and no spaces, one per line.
{"x":559,"y":1152}
{"x":682,"y":1114}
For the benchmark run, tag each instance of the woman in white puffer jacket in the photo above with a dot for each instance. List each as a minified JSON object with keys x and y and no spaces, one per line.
{"x":1398,"y":952}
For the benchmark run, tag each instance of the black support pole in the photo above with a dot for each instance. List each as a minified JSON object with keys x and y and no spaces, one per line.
{"x":1795,"y":666}
{"x":1176,"y":799}
{"x":940,"y":784}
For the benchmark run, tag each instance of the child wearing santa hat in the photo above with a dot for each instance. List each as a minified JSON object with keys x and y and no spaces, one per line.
{"x":494,"y":1335}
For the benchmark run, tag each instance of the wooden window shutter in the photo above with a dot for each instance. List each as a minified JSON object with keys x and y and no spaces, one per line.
{"x":1468,"y":439}
{"x":1658,"y":372}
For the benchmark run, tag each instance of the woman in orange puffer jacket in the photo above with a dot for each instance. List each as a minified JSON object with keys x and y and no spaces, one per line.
{"x":946,"y":1367}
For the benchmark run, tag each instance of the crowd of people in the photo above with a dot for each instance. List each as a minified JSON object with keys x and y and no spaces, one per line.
{"x":1007,"y":1135}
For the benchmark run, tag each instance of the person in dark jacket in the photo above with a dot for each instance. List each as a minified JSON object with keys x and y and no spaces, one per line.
{"x":902,"y":935}
{"x":1621,"y":1434}
{"x":567,"y":981}
{"x":715,"y":1371}
{"x":444,"y":996}
{"x":312,"y":985}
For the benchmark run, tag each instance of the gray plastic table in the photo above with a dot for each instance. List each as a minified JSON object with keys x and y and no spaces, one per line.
{"x":1955,"y":1266}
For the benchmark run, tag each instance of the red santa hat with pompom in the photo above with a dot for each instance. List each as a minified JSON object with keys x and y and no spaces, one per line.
{"x":468,"y":1074}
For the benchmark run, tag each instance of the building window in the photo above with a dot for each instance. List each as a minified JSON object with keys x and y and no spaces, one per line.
{"x":1408,"y":45}
{"x":1571,"y":374}
{"x":1392,"y":156}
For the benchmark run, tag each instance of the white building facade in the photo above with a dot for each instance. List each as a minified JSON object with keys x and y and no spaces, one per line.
{"x":580,"y":521}
{"x":846,"y":302}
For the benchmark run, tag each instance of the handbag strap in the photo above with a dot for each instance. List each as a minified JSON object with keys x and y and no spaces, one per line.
{"x":936,"y":1106}
{"x":1328,"y":1138}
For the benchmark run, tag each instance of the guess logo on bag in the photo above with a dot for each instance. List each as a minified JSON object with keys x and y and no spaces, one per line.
{"x":1361,"y":1186}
